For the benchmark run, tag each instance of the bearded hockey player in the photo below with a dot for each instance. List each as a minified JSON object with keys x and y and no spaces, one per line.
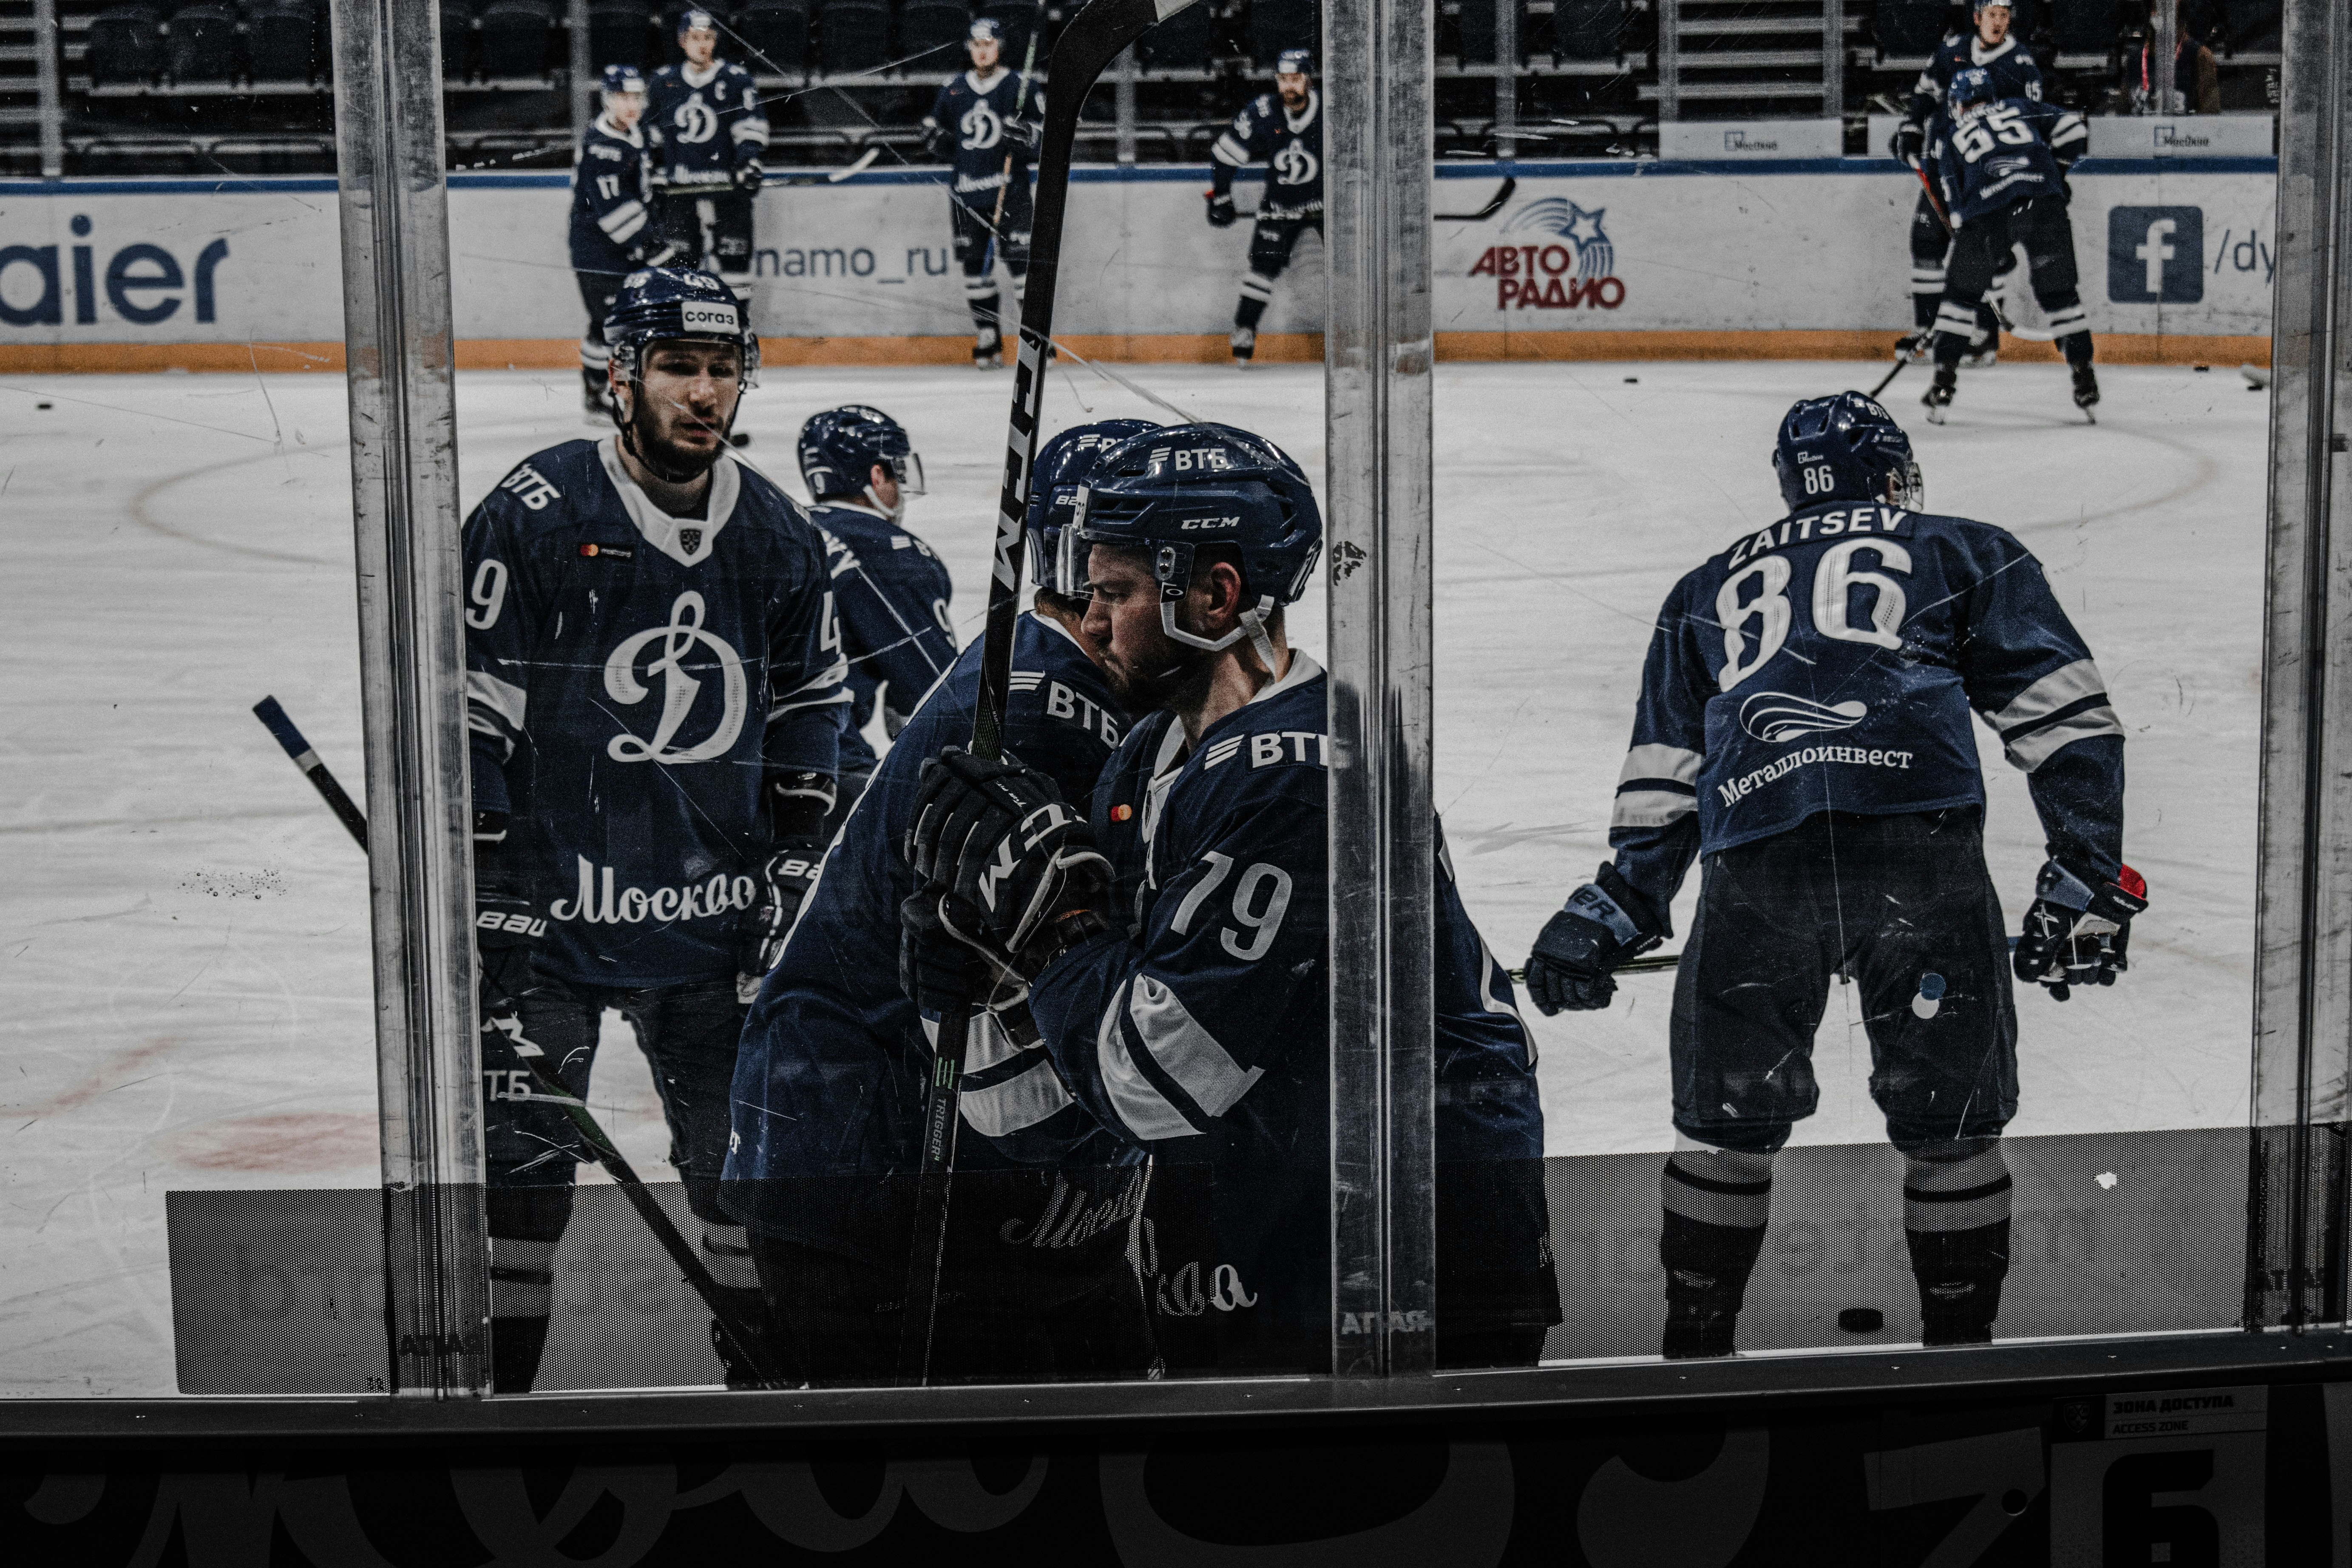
{"x":985,"y":123}
{"x":611,"y":228}
{"x":652,"y":675}
{"x":1990,"y":48}
{"x":2001,"y":163}
{"x":1803,"y":729}
{"x":708,"y":133}
{"x":890,"y":590}
{"x":1284,"y":130}
{"x":1178,"y":974}
{"x":830,"y":1083}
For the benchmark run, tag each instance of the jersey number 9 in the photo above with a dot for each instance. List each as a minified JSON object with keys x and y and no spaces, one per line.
{"x":488,"y":594}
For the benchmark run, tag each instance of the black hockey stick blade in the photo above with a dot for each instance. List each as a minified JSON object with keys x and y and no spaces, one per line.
{"x":1886,"y":380}
{"x":1502,"y":194}
{"x":1090,"y":41}
{"x":1650,"y":965}
{"x":865,"y":162}
{"x":314,"y":768}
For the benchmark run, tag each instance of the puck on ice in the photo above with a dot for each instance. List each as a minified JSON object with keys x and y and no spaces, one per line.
{"x":1861,"y":1320}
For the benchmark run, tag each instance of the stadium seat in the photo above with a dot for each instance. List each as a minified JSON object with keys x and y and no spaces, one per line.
{"x":1186,"y":41}
{"x":853,"y":35}
{"x":1476,"y":25}
{"x":2086,"y":26}
{"x":1586,"y":29}
{"x":773,"y":36}
{"x":284,"y":40}
{"x":931,"y":33}
{"x":1278,"y":25}
{"x":517,"y":39}
{"x":200,"y":42}
{"x":126,"y":45}
{"x":456,"y":39}
{"x":621,"y":32}
{"x":1915,"y":27}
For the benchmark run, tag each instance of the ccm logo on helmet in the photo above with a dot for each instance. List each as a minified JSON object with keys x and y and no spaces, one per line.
{"x":706,"y":316}
{"x":1193,"y":523}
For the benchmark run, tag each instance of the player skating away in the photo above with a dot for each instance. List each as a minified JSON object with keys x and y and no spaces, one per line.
{"x":1991,"y":49}
{"x":708,"y":133}
{"x":889,"y":589}
{"x":1803,"y":731}
{"x":652,"y":678}
{"x":1284,"y":130}
{"x":985,"y":123}
{"x":1180,"y":977}
{"x":829,"y":1088}
{"x":611,"y":225}
{"x":2001,"y":165}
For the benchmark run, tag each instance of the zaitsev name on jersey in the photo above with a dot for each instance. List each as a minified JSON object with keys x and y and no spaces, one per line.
{"x":1828,"y":525}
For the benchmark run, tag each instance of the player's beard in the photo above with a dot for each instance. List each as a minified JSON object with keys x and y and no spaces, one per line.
{"x":666,"y":459}
{"x":1176,"y":678}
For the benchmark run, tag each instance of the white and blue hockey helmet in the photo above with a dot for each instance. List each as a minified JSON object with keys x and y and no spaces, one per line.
{"x":1295,"y":62}
{"x":1063,"y":465}
{"x":986,"y":30}
{"x":1845,"y":447}
{"x":624,"y":78}
{"x":670,"y":304}
{"x":696,"y":21}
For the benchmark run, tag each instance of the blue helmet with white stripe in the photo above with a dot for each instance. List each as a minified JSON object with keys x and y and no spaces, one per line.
{"x":1845,"y":447}
{"x":1064,"y":464}
{"x":1971,"y":85}
{"x":1295,"y":62}
{"x":670,"y":304}
{"x":624,"y":78}
{"x":840,"y":447}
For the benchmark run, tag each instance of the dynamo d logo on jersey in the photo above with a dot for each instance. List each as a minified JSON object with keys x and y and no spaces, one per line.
{"x":1563,"y":260}
{"x":981,"y":127}
{"x":695,"y":120}
{"x":680,"y":690}
{"x":1778,"y":716}
{"x":1295,"y":165}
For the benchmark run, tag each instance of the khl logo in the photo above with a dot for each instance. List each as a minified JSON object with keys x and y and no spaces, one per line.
{"x":2156,"y":256}
{"x":678,"y":689}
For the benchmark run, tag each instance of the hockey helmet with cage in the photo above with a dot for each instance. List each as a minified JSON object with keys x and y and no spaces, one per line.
{"x":840,"y":447}
{"x":1971,"y":85}
{"x":1168,"y":491}
{"x":624,"y":78}
{"x":1065,"y":463}
{"x":1845,"y":447}
{"x":671,"y":304}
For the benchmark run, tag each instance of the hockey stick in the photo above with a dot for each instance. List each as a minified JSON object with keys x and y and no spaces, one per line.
{"x":722,"y":1312}
{"x":865,"y":162}
{"x":1020,"y":103}
{"x":1650,"y":965}
{"x":1503,"y":193}
{"x":1087,"y":46}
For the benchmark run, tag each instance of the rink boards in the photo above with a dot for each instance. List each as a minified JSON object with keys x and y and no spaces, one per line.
{"x":1604,"y":259}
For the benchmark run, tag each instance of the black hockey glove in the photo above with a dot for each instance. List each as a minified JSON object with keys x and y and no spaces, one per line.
{"x":784,"y":884}
{"x":1570,"y":968}
{"x":2077,"y":933}
{"x":1910,"y":144}
{"x":748,"y":176}
{"x":945,"y":960}
{"x":935,"y":139}
{"x":1027,"y":133}
{"x":998,"y":835}
{"x":1221,"y":209}
{"x":504,"y":928}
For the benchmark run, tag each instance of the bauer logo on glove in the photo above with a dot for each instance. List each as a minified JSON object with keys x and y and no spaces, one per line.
{"x":2078,"y":932}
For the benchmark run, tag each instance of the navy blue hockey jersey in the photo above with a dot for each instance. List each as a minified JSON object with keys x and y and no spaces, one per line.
{"x":1289,"y":145}
{"x":608,"y":201}
{"x":1828,"y":662}
{"x":968,"y":116}
{"x":2003,"y":154}
{"x":891,"y":592}
{"x":703,"y":125}
{"x":2008,"y":63}
{"x":631,"y":677}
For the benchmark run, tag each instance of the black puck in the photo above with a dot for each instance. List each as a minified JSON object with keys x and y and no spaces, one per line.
{"x":1632,"y":381}
{"x":1861,"y":1320}
{"x":42,"y":405}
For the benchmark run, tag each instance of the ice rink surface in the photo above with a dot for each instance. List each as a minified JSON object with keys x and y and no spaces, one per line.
{"x":184,"y":928}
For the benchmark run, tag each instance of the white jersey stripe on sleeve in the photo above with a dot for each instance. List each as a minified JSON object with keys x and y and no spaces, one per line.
{"x":1189,"y":1053}
{"x":1650,"y":808}
{"x":2030,"y":751}
{"x":1149,"y":1114}
{"x":2069,"y":683}
{"x":502,"y":697}
{"x":1226,"y":149}
{"x":1023,"y":1101}
{"x":1654,"y":762}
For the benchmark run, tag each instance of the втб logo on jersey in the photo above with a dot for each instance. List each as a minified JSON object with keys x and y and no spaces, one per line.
{"x":1778,"y":716}
{"x":679,"y":690}
{"x":1564,"y":258}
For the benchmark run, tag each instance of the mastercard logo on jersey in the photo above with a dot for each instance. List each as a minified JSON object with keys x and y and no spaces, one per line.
{"x":606,"y":552}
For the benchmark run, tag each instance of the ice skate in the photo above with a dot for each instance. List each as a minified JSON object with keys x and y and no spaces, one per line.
{"x":1694,"y":1335}
{"x":1981,"y":359}
{"x":2086,"y":391}
{"x":1938,"y":396}
{"x":1244,"y":343}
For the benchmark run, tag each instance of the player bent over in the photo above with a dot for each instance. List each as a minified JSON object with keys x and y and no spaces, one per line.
{"x":986,"y":122}
{"x":1992,"y":48}
{"x":1283,"y":129}
{"x":830,"y":1083}
{"x":709,"y":133}
{"x":1803,"y":729}
{"x":1179,"y":974}
{"x":652,"y":674}
{"x":2001,"y":163}
{"x":611,"y":224}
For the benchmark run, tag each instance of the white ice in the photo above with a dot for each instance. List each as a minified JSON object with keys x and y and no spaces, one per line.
{"x":183,"y":962}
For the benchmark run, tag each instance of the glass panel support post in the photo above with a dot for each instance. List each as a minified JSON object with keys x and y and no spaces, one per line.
{"x":1667,"y":59}
{"x":580,"y":69}
{"x":2302,"y":989}
{"x":393,"y":207}
{"x":1123,"y":104}
{"x":49,"y":48}
{"x":1832,"y":60}
{"x":1506,"y":79}
{"x":2163,"y":50}
{"x":1379,"y":150}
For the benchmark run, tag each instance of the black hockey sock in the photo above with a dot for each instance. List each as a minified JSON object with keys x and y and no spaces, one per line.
{"x":1248,"y":311}
{"x":984,"y":309}
{"x":2076,"y":347}
{"x":1717,"y":1203}
{"x":1955,"y":1201}
{"x":516,"y":1345}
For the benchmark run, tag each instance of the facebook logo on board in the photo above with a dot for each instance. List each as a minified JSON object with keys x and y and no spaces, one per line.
{"x":2156,"y":255}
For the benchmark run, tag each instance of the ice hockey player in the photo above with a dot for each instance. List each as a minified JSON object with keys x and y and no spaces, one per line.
{"x":1284,"y":130}
{"x":1992,"y":49}
{"x":708,"y":133}
{"x":986,"y":122}
{"x":652,"y":677}
{"x":1179,"y":976}
{"x":830,"y":1086}
{"x":1803,"y":729}
{"x":2001,"y":165}
{"x":890,"y":590}
{"x":611,"y":227}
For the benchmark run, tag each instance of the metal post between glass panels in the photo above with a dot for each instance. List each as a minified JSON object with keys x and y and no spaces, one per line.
{"x":48,"y":43}
{"x":1832,"y":60}
{"x":1507,"y":78}
{"x":582,"y":74}
{"x":1378,"y":148}
{"x":1668,"y":58}
{"x":2163,"y":48}
{"x":1123,"y":104}
{"x":393,"y":206}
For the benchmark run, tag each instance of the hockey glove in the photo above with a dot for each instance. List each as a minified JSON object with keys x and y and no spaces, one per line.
{"x":1221,"y":209}
{"x":2077,"y":933}
{"x":504,"y":926}
{"x":999,"y":835}
{"x":945,"y":960}
{"x":1576,"y":949}
{"x":748,"y":176}
{"x":1027,"y":133}
{"x":784,"y":884}
{"x":1910,"y":142}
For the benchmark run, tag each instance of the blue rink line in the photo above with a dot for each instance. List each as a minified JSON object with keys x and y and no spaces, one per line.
{"x":1173,"y":173}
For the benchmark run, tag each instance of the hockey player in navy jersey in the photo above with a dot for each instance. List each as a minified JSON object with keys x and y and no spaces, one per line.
{"x":2001,"y":165}
{"x":1174,"y":938}
{"x":985,"y":123}
{"x":708,"y":133}
{"x":1803,"y":731}
{"x":653,"y":674}
{"x":1284,"y":130}
{"x":611,"y":224}
{"x":1990,"y":48}
{"x":829,"y":1087}
{"x":890,"y":590}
